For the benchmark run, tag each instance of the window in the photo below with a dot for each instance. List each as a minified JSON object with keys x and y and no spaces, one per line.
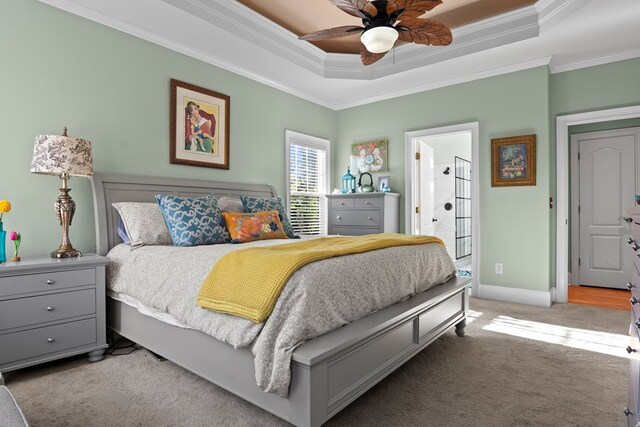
{"x":307,"y":169}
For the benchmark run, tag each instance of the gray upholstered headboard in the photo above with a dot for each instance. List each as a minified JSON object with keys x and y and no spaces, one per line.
{"x":112,"y":188}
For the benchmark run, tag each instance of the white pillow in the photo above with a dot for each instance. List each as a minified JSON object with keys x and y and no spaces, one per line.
{"x":230,"y":204}
{"x":144,"y":223}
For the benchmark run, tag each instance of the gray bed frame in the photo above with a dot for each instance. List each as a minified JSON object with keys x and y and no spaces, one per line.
{"x":328,"y":372}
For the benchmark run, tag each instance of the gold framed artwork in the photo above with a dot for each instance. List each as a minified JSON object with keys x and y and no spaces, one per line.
{"x":370,"y":156}
{"x":199,"y":126}
{"x":513,"y":161}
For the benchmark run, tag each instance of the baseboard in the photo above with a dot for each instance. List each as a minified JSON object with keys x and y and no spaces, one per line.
{"x":519,"y":296}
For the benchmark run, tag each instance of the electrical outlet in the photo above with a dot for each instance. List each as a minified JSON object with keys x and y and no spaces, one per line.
{"x":498,"y":268}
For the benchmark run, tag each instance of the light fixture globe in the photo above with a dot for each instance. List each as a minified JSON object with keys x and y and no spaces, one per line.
{"x":379,"y":39}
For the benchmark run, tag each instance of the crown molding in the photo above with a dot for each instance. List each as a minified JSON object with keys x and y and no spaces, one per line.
{"x":151,"y":36}
{"x":497,"y":71}
{"x":555,"y":68}
{"x":235,"y":38}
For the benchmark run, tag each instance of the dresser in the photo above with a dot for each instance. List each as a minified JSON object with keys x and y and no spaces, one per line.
{"x":356,"y":214}
{"x":633,"y":405}
{"x":50,"y":309}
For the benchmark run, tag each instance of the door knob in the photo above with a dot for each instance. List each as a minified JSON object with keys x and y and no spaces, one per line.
{"x":434,"y":219}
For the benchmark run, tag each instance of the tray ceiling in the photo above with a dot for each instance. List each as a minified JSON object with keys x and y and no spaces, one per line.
{"x":561,"y":34}
{"x":306,"y":16}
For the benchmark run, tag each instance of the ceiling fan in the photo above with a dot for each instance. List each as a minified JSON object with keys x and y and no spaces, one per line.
{"x":384,"y":22}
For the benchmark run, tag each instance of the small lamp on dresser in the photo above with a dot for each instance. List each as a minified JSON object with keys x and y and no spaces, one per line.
{"x":65,"y":157}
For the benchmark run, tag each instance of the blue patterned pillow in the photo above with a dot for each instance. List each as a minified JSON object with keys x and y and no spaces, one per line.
{"x":193,"y":222}
{"x":260,"y":204}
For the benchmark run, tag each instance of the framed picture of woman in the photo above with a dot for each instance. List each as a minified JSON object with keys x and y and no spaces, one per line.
{"x":199,"y":126}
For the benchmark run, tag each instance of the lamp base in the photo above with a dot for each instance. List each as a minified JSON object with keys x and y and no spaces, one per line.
{"x":66,"y":252}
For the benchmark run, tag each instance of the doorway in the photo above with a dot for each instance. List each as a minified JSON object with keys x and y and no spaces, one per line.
{"x":562,"y":184}
{"x":442,"y":191}
{"x":604,"y":181}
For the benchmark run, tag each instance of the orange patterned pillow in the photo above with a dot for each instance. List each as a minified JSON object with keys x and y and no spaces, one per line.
{"x":247,"y":227}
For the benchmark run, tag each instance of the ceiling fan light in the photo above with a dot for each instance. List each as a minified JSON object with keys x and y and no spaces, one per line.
{"x":379,"y":39}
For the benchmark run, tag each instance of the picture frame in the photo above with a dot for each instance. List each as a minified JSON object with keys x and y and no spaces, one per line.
{"x":371,"y":156}
{"x":199,"y":126}
{"x":513,"y":161}
{"x":382,"y":182}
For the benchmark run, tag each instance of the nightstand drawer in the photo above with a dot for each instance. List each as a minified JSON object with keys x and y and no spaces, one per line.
{"x":50,"y":339}
{"x":356,"y":218}
{"x":45,"y":308}
{"x":369,"y":203}
{"x":340,"y":203}
{"x":13,"y":285}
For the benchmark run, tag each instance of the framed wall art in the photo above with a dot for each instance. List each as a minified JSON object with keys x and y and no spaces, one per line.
{"x":199,"y":126}
{"x":370,"y":156}
{"x":513,"y":161}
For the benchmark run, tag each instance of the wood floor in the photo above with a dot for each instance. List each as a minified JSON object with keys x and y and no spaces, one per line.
{"x":600,"y":297}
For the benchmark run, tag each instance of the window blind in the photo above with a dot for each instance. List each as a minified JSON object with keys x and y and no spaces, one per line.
{"x":308,"y":173}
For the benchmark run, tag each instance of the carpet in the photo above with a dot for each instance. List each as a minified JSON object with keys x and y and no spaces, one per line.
{"x":517,"y":366}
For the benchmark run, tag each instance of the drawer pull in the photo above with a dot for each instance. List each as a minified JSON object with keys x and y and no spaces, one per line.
{"x":631,"y":350}
{"x":367,"y":203}
{"x":50,"y":339}
{"x":50,"y":308}
{"x":630,"y":241}
{"x":627,"y":412}
{"x":50,"y":282}
{"x":341,"y":203}
{"x":369,"y":218}
{"x":634,"y":300}
{"x":627,"y":219}
{"x":339,"y":218}
{"x":630,"y":285}
{"x":634,"y":246}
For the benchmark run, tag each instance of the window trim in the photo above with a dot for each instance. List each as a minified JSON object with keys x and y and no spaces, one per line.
{"x":297,"y":138}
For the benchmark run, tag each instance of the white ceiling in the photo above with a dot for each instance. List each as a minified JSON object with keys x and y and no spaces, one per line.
{"x":564,"y":34}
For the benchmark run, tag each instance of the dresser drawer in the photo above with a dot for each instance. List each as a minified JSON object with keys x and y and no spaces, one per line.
{"x":343,"y":202}
{"x":361,"y":218}
{"x":368,"y":203}
{"x":45,"y":308}
{"x":13,"y":285}
{"x":50,"y":339}
{"x":353,"y":231}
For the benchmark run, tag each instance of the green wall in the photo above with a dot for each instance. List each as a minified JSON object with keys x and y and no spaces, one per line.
{"x":113,"y":89}
{"x":514,"y":221}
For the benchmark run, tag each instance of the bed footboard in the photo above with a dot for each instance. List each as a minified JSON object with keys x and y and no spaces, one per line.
{"x":328,"y":372}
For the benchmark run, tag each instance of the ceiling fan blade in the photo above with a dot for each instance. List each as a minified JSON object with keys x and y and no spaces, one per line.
{"x":332,"y":33}
{"x":358,"y":8}
{"x":369,"y":58}
{"x":411,"y":8}
{"x":424,"y":31}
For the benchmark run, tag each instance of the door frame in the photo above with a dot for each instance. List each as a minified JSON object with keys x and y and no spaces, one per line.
{"x":575,"y":184}
{"x":410,"y":202}
{"x":562,"y":184}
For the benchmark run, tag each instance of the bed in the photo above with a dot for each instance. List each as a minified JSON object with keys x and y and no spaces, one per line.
{"x":328,"y":372}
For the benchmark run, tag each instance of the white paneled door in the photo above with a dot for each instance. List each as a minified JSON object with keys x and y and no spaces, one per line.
{"x":608,"y":168}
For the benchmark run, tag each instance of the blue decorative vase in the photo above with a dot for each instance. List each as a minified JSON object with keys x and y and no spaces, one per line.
{"x":3,"y":238}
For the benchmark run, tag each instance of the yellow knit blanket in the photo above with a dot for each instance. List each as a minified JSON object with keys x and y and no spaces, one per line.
{"x":248,"y":282}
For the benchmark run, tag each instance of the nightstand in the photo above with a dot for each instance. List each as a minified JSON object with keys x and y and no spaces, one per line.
{"x":356,"y":214}
{"x":50,"y":309}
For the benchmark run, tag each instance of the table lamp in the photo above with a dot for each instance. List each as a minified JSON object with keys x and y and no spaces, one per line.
{"x":65,"y":157}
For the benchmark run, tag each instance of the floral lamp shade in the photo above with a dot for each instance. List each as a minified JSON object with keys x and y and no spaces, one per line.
{"x":60,"y":154}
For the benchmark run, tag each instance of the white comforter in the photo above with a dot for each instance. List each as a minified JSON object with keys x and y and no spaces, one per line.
{"x":318,"y":298}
